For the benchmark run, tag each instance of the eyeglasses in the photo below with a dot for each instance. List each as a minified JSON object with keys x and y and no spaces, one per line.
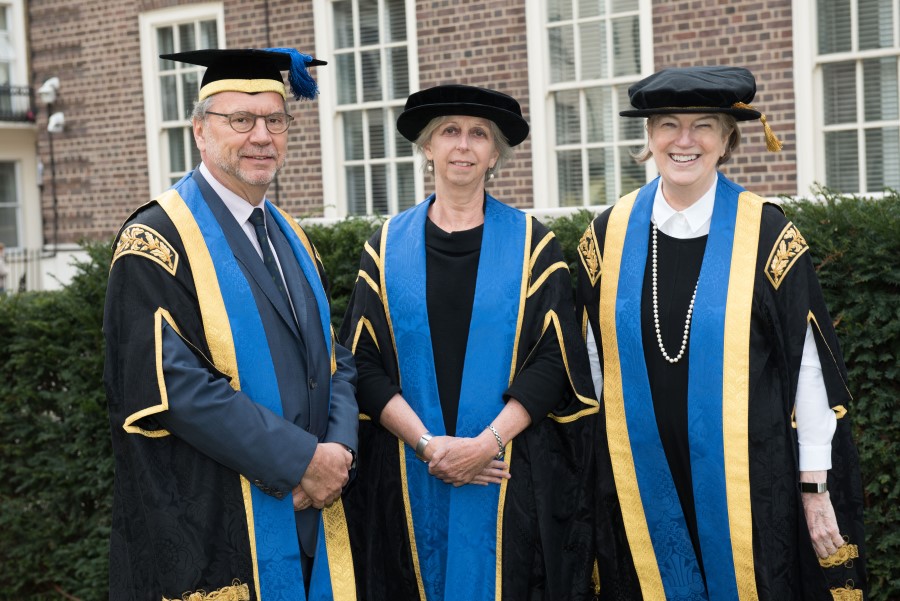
{"x":242,"y":121}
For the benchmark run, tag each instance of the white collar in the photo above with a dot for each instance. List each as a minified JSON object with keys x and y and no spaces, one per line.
{"x":693,"y":221}
{"x":237,"y":206}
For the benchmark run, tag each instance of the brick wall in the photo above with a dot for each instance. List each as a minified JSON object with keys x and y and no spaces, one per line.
{"x":100,"y":157}
{"x":752,"y":34}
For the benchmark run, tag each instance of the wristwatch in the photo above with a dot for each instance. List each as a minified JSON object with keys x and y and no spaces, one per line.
{"x":816,"y":487}
{"x":420,"y":446}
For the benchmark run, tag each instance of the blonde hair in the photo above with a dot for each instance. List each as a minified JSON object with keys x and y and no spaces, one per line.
{"x":726,"y":123}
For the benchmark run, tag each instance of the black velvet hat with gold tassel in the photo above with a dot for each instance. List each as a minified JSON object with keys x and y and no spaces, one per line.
{"x":699,"y":90}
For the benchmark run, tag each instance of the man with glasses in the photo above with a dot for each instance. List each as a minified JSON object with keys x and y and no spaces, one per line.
{"x":232,"y":410}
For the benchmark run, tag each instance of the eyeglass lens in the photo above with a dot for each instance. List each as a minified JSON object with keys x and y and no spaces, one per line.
{"x":243,"y":121}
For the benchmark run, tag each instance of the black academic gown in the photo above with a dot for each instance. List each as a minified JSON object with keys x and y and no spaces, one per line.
{"x":184,"y":440}
{"x":786,"y":296}
{"x":546,"y":539}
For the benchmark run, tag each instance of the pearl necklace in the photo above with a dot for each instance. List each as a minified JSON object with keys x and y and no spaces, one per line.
{"x":687,"y":320}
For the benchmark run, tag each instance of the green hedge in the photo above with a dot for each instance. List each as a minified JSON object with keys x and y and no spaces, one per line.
{"x":55,"y":464}
{"x":55,"y":460}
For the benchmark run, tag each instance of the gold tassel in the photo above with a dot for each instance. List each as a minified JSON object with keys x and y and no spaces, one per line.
{"x":773,"y":144}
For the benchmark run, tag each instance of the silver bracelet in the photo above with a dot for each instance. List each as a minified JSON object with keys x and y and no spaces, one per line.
{"x":420,"y":446}
{"x":502,"y":452}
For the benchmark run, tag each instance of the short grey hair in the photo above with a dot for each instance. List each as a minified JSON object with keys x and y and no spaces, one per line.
{"x":501,"y":144}
{"x":726,"y":122}
{"x":200,"y":108}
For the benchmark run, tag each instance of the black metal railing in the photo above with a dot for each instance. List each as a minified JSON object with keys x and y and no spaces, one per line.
{"x":17,"y":103}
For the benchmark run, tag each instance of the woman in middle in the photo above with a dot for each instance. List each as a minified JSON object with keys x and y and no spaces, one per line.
{"x":477,"y":411}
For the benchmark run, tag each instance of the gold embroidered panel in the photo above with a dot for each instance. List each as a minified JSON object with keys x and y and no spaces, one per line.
{"x":844,"y":554}
{"x":589,"y":254}
{"x":790,"y":246}
{"x":146,"y":242}
{"x":847,"y":594}
{"x":235,"y":592}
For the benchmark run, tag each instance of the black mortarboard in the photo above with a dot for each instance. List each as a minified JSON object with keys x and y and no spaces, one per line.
{"x":713,"y":89}
{"x":454,"y":99}
{"x":252,"y":70}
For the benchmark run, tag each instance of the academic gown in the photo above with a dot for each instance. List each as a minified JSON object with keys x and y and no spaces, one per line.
{"x":535,"y":542}
{"x":217,"y":399}
{"x":702,"y":485}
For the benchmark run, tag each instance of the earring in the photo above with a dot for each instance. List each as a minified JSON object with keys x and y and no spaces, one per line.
{"x":491,"y":173}
{"x":429,"y":166}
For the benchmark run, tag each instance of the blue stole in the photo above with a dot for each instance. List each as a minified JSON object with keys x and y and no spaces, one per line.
{"x":711,"y":400}
{"x":237,"y":342}
{"x":455,"y":533}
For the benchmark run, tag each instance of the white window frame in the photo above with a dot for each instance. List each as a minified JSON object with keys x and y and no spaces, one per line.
{"x":148,"y":24}
{"x":334,"y":187}
{"x":543,"y":124}
{"x":808,"y":82}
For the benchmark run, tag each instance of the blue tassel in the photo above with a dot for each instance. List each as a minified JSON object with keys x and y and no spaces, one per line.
{"x":301,"y":82}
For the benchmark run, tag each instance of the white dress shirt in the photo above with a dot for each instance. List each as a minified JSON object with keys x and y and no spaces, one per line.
{"x":816,"y":422}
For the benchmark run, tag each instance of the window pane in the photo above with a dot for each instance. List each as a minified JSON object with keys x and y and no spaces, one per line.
{"x":377,"y":139}
{"x":591,"y":8}
{"x":876,"y":24}
{"x":166,"y":45}
{"x":559,"y":10}
{"x":371,"y":75}
{"x":195,"y":152}
{"x":345,"y":69}
{"x":626,"y":46}
{"x":9,"y":231}
{"x":598,"y":110}
{"x":398,"y":76}
{"x":368,"y":22}
{"x":406,"y":186}
{"x":191,"y":89}
{"x":834,"y":26}
{"x":176,"y":149}
{"x":601,"y":173}
{"x":880,"y":87}
{"x":9,"y":200}
{"x":343,"y":24}
{"x":842,"y":161}
{"x":186,"y":37}
{"x":169,"y":98}
{"x":593,"y":50}
{"x":4,"y":19}
{"x":356,"y":190}
{"x":634,"y":174}
{"x":568,"y":167}
{"x":209,"y":34}
{"x":839,"y":89}
{"x":619,"y":6}
{"x":402,"y":146}
{"x":882,"y":159}
{"x":568,"y":118}
{"x":630,"y":128}
{"x":562,"y":51}
{"x":354,"y":149}
{"x":380,"y":186}
{"x":396,"y":20}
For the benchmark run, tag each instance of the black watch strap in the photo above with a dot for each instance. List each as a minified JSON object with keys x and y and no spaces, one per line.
{"x":816,"y":487}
